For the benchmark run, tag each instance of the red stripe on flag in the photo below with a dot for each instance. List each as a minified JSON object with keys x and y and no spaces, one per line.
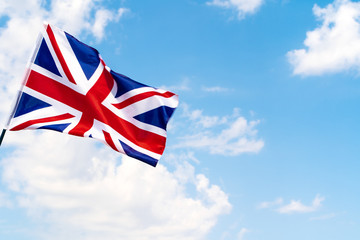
{"x":41,"y":120}
{"x":140,"y":97}
{"x":109,"y":140}
{"x":59,"y":54}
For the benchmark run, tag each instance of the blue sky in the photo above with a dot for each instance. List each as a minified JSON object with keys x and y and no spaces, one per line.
{"x":264,"y":143}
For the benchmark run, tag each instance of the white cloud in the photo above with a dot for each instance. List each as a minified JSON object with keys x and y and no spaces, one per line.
{"x":298,"y":207}
{"x":86,"y":15}
{"x":242,"y":233}
{"x":183,"y":85}
{"x":276,"y":202}
{"x":199,"y":119}
{"x":102,"y":18}
{"x":215,"y":89}
{"x":295,"y":206}
{"x":335,"y":45}
{"x":71,"y":184}
{"x":228,"y":135}
{"x":242,"y":7}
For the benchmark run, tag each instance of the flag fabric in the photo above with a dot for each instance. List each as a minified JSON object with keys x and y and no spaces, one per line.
{"x":70,"y":89}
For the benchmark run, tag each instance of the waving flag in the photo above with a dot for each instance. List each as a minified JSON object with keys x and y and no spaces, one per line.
{"x":70,"y":89}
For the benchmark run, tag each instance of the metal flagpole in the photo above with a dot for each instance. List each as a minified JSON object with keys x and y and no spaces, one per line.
{"x":2,"y":135}
{"x":20,"y":91}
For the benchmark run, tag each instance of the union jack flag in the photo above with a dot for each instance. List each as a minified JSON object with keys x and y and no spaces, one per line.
{"x":70,"y":89}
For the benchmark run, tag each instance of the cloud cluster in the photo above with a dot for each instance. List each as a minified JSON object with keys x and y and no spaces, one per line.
{"x":71,"y":183}
{"x":295,"y":206}
{"x":299,"y":207}
{"x":78,"y":189}
{"x":335,"y":45}
{"x":234,"y":134}
{"x":242,"y":7}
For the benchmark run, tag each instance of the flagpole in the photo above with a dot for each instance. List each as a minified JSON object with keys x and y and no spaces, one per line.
{"x":20,"y":91}
{"x":2,"y":135}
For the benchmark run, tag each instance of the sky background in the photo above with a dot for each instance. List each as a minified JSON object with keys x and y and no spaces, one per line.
{"x":263,"y":146}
